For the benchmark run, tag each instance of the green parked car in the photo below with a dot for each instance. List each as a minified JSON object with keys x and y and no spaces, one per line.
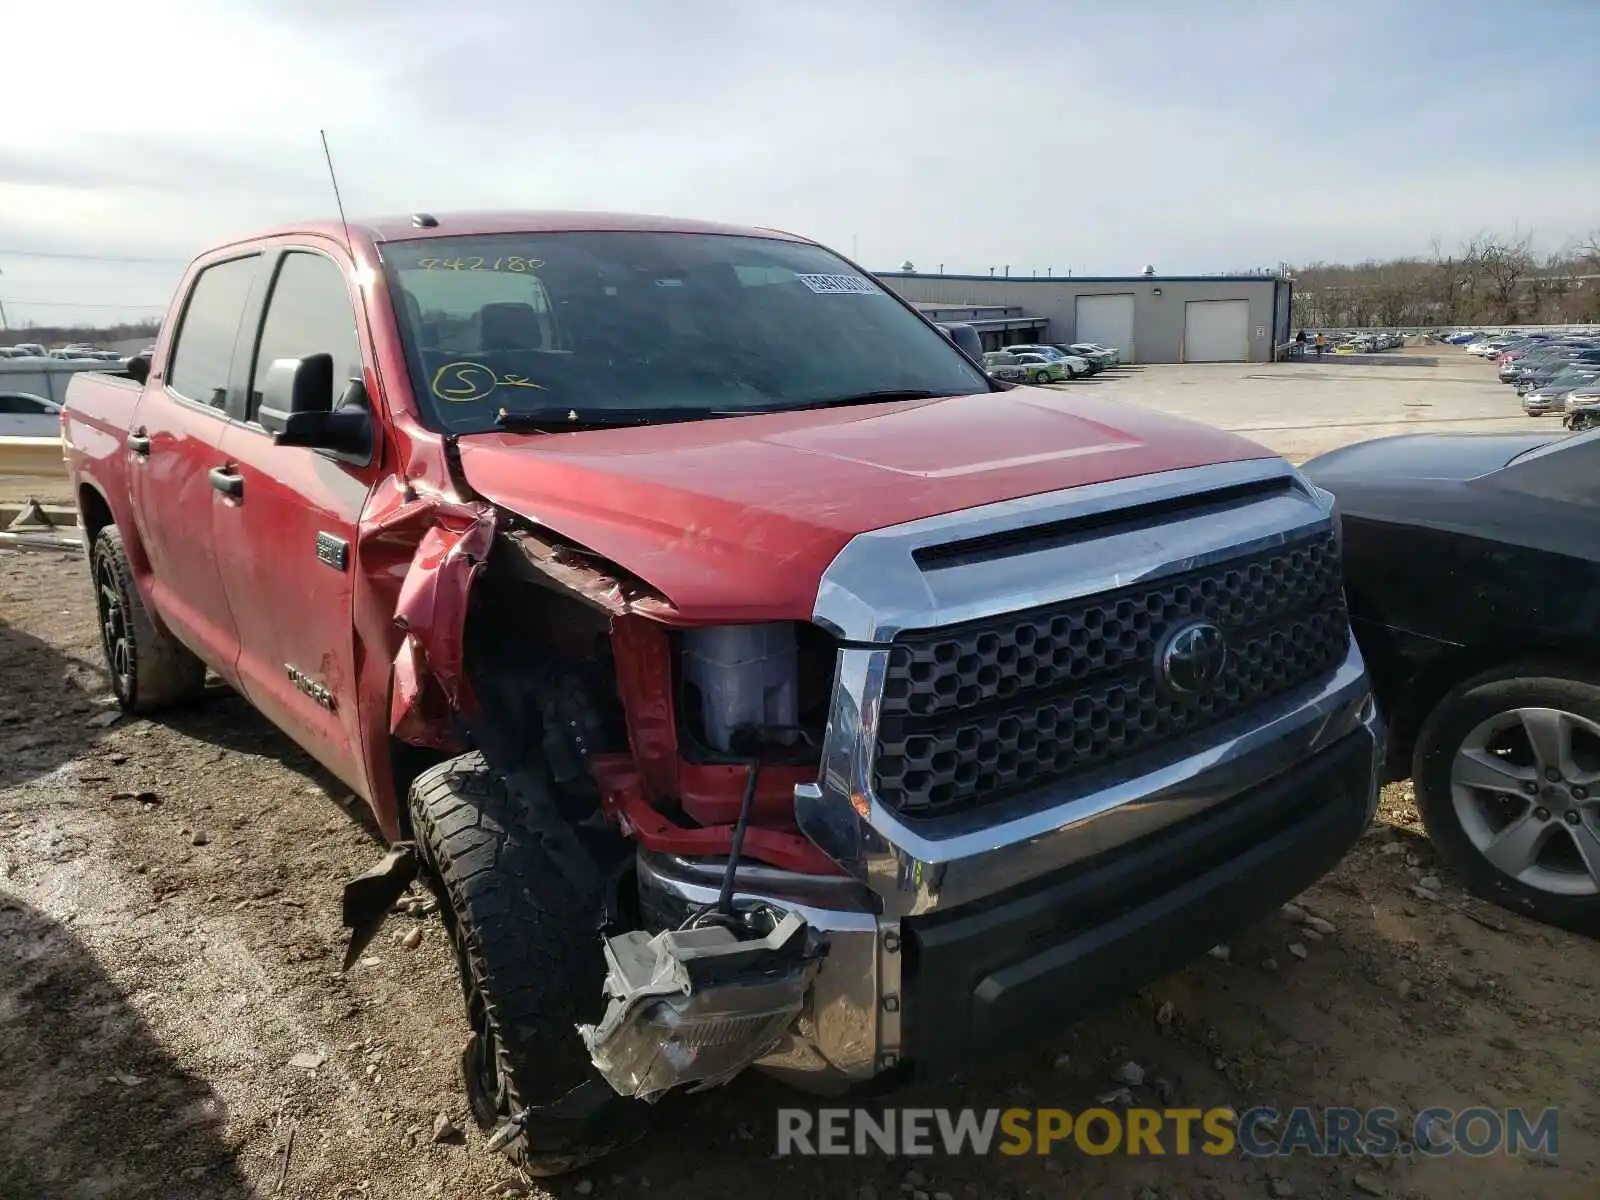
{"x":1024,"y":368}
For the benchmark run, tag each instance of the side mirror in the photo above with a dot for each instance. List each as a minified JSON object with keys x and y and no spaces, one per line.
{"x":293,"y":388}
{"x":139,"y":369}
{"x":966,"y":337}
{"x":297,"y":409}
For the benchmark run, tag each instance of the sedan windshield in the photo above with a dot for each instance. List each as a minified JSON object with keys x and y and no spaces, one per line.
{"x":553,"y":329}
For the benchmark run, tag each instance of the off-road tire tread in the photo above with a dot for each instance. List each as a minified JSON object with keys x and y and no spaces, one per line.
{"x":1437,"y":741}
{"x":165,"y":672}
{"x":531,"y":942}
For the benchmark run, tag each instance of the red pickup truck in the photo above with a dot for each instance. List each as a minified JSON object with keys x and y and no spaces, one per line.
{"x":755,"y":680}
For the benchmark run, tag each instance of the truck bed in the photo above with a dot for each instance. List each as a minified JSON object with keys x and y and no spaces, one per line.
{"x":94,"y":429}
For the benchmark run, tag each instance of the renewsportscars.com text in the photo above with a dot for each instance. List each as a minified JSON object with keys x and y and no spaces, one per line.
{"x":1256,"y":1132}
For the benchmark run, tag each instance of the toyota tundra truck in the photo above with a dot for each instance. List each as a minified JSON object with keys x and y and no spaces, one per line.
{"x":755,"y":681}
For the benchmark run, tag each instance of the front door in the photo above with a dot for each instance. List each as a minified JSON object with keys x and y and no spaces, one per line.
{"x":286,"y":542}
{"x":172,"y":453}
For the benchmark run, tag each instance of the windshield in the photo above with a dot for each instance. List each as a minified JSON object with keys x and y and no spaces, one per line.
{"x":676,"y":324}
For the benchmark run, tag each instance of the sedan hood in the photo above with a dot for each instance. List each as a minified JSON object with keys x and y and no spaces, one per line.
{"x":735,"y":519}
{"x":1419,"y":457}
{"x":1434,"y":480}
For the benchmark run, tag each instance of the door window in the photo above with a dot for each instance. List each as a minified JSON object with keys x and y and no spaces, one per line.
{"x":309,"y":313}
{"x":210,"y":326}
{"x":24,"y":405}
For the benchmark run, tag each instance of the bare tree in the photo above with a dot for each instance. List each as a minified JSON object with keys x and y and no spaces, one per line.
{"x":1451,"y":283}
{"x":1489,"y":278}
{"x":1549,"y":282}
{"x":1589,"y":249}
{"x":1505,"y":264}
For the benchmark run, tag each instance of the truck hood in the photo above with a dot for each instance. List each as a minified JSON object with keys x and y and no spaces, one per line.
{"x":735,"y":519}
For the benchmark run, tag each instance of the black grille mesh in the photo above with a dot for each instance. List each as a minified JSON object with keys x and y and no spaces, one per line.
{"x":972,"y":711}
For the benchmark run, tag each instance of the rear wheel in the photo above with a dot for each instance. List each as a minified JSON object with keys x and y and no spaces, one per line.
{"x":529,"y":955}
{"x":150,"y":669}
{"x":1507,"y":772}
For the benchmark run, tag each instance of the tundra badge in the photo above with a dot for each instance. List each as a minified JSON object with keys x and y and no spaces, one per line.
{"x":309,"y":686}
{"x":334,"y":551}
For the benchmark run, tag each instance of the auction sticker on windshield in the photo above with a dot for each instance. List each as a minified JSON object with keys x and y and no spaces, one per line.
{"x":849,"y":285}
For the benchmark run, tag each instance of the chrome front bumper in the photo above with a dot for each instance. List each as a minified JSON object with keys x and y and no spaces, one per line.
{"x":898,"y":870}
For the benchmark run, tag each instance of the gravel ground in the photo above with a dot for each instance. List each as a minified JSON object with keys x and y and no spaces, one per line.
{"x":174,"y":1023}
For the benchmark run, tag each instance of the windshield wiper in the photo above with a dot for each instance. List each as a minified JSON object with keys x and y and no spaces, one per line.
{"x":881,"y":396}
{"x":560,"y":420}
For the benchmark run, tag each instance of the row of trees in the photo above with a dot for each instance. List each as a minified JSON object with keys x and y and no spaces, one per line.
{"x":1490,"y":279}
{"x":56,"y":335}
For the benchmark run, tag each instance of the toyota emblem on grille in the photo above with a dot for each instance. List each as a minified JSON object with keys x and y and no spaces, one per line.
{"x":1192,"y":659}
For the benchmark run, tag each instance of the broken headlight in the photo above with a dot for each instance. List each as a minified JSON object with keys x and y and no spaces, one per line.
{"x":698,"y":1005}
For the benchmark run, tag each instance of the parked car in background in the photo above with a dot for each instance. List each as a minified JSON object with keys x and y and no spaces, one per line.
{"x":1490,"y":685}
{"x":1010,"y":368}
{"x":1107,"y":356}
{"x":1583,"y":411}
{"x":1546,"y":370}
{"x":1551,"y":396}
{"x":23,"y":414}
{"x":1074,"y":364}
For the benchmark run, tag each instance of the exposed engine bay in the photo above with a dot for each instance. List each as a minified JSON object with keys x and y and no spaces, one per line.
{"x":686,"y":742}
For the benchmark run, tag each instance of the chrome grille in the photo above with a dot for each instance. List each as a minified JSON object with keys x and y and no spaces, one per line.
{"x":975,"y":711}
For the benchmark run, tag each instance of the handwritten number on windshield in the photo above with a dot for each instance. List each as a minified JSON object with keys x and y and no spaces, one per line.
{"x":466,"y":382}
{"x":515,"y":263}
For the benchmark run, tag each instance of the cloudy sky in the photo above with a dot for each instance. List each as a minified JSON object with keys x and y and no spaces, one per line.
{"x":1089,"y":135}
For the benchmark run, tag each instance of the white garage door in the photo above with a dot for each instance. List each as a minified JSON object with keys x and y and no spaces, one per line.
{"x":1216,"y":331}
{"x":1107,"y":320}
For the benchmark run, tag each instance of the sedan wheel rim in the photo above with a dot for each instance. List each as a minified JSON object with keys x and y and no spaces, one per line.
{"x":114,"y":639}
{"x":1525,"y":785}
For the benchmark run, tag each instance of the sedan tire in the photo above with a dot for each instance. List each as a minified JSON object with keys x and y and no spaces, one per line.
{"x":1507,"y":774}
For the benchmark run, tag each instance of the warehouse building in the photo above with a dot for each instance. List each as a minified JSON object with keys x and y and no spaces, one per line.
{"x":1149,"y":318}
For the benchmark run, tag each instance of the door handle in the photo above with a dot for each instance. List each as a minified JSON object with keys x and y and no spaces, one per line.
{"x":227,"y":482}
{"x":139,"y":443}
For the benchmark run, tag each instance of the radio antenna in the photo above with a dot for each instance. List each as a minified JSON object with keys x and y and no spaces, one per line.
{"x":337,"y":199}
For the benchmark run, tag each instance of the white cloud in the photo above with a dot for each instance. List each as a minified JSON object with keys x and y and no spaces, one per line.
{"x":1084,"y":136}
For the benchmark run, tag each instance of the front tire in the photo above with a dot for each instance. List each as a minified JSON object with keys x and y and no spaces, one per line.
{"x":150,"y":669}
{"x":1507,"y":774}
{"x":529,"y":954}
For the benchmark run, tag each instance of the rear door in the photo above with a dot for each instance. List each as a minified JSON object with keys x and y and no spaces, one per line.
{"x":1107,"y":321}
{"x":1216,"y":331}
{"x":286,"y":541}
{"x":172,"y":459}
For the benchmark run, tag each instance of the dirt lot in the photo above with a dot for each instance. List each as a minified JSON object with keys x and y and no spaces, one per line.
{"x":1304,"y":409}
{"x":173,"y":1021}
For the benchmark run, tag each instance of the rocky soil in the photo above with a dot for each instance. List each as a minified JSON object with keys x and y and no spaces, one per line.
{"x":174,"y":1023}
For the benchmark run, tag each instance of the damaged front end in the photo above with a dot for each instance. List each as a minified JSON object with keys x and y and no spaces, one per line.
{"x":655,"y":759}
{"x":693,"y":1007}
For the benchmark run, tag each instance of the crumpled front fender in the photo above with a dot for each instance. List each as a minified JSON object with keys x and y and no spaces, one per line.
{"x":429,"y":682}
